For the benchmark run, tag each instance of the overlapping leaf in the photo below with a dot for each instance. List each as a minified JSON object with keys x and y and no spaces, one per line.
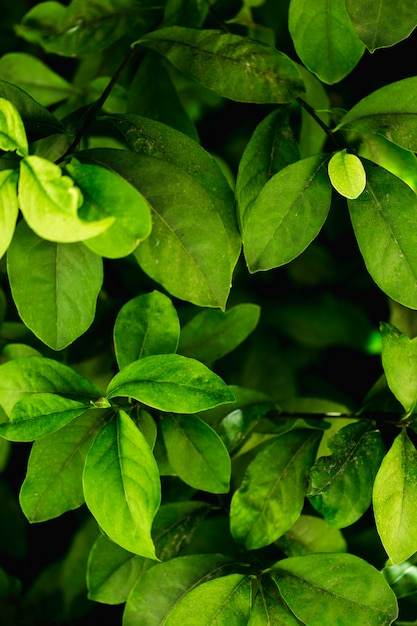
{"x":9,"y":207}
{"x":399,"y":360}
{"x":12,"y":131}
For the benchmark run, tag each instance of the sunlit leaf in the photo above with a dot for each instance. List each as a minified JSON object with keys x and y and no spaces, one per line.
{"x":12,"y":131}
{"x":347,"y":174}
{"x":9,"y":207}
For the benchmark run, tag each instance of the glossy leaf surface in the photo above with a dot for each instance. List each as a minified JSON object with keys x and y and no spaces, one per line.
{"x":9,"y":207}
{"x":399,"y":360}
{"x":12,"y":131}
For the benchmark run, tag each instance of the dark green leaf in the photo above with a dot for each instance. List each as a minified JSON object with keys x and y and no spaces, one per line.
{"x":121,"y":485}
{"x":335,"y":589}
{"x":341,"y":484}
{"x":170,"y":382}
{"x":196,"y":453}
{"x":236,"y":67}
{"x":311,"y":534}
{"x":399,"y":360}
{"x":271,"y":496}
{"x":54,"y":286}
{"x":186,"y":12}
{"x":146,"y":325}
{"x":402,"y":578}
{"x":269,"y":608}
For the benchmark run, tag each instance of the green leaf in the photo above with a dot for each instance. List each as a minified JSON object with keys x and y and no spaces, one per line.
{"x":50,"y":202}
{"x":383,"y":23}
{"x":57,"y":303}
{"x":12,"y":131}
{"x":186,"y":13}
{"x":180,"y":575}
{"x":146,"y":325}
{"x":333,"y":588}
{"x":215,"y":602}
{"x":9,"y":207}
{"x":309,"y":535}
{"x":268,"y":607}
{"x":170,"y":382}
{"x":179,"y":254}
{"x":390,"y":111}
{"x":395,"y":492}
{"x":324,"y":38}
{"x":399,"y":360}
{"x":276,"y":233}
{"x":29,"y":375}
{"x":347,"y":174}
{"x":402,"y":578}
{"x":37,"y":79}
{"x":312,"y":138}
{"x":121,"y":485}
{"x":196,"y":453}
{"x":53,"y":483}
{"x":108,"y":195}
{"x":209,"y":335}
{"x":341,"y":484}
{"x":271,"y":148}
{"x":233,"y":66}
{"x":271,"y":496}
{"x":381,"y":218}
{"x":40,"y":414}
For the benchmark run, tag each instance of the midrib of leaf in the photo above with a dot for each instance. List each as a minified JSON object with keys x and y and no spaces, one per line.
{"x":226,"y":600}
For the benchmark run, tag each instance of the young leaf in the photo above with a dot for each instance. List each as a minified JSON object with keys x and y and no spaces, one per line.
{"x":271,"y":496}
{"x":287,"y":214}
{"x":146,"y":325}
{"x":9,"y":207}
{"x":57,"y":304}
{"x":324,"y":38}
{"x":53,"y":483}
{"x":170,"y":382}
{"x":381,"y":24}
{"x":347,"y":174}
{"x":108,"y":195}
{"x":399,"y":360}
{"x":335,"y":589}
{"x":235,"y":67}
{"x":395,"y":491}
{"x":341,"y":484}
{"x":50,"y":202}
{"x":196,"y":453}
{"x":12,"y":131}
{"x":180,"y":575}
{"x":212,"y":334}
{"x":215,"y":602}
{"x":121,"y":485}
{"x":381,"y":218}
{"x":390,"y":110}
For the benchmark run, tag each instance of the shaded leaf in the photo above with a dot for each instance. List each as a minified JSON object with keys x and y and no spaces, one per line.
{"x":186,"y":12}
{"x":311,"y":534}
{"x":269,"y":608}
{"x":399,"y":360}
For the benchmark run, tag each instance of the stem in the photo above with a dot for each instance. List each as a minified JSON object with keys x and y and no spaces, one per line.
{"x":320,"y":122}
{"x":97,"y":105}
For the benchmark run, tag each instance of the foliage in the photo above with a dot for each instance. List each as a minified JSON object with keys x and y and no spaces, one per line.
{"x":208,"y":368}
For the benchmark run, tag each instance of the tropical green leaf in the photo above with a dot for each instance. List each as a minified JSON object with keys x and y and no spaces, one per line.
{"x":9,"y":207}
{"x":170,"y":382}
{"x":383,"y":23}
{"x":395,"y":491}
{"x":209,"y":335}
{"x":53,"y":483}
{"x":287,"y":214}
{"x":399,"y":360}
{"x":233,"y":66}
{"x":347,"y":174}
{"x":58,"y":303}
{"x":381,"y":218}
{"x":335,"y":589}
{"x":324,"y":38}
{"x":146,"y":325}
{"x":121,"y":485}
{"x":271,"y":496}
{"x":12,"y":132}
{"x":340,"y":485}
{"x":196,"y":453}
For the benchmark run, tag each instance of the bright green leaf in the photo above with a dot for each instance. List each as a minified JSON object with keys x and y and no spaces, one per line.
{"x":381,"y":219}
{"x":9,"y":207}
{"x":271,"y":496}
{"x":287,"y":214}
{"x":196,"y":453}
{"x":209,"y":335}
{"x":324,"y":38}
{"x":146,"y":325}
{"x":402,"y":578}
{"x":341,"y":484}
{"x":121,"y":485}
{"x":347,"y":174}
{"x":54,"y":286}
{"x":335,"y":589}
{"x":383,"y":23}
{"x":268,"y":607}
{"x":399,"y":360}
{"x":235,"y":67}
{"x":170,"y":382}
{"x":12,"y":131}
{"x":50,"y":202}
{"x":394,"y":498}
